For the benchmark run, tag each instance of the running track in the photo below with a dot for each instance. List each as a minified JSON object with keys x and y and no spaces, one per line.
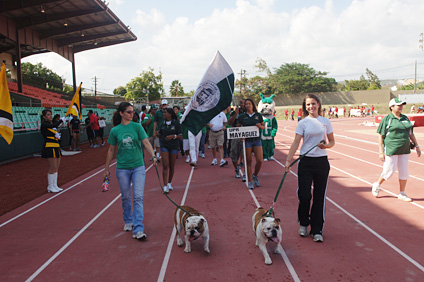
{"x":77,"y":235}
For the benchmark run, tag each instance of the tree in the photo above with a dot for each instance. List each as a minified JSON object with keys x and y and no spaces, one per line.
{"x":120,"y":90}
{"x":296,"y":78}
{"x":356,"y":85}
{"x":176,"y":89}
{"x":147,"y":84}
{"x":373,"y":80}
{"x":40,"y":76}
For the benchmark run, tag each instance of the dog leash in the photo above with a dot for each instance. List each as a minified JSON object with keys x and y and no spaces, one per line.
{"x":270,"y":212}
{"x":163,"y":191}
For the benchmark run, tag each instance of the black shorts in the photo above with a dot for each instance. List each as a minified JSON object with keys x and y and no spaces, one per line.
{"x":96,"y":133}
{"x":101,"y":132}
{"x":51,"y":152}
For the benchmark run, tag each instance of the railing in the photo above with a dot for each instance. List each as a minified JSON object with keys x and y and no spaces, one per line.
{"x":25,"y":126}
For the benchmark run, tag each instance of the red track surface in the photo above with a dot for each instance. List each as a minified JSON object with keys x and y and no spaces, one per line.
{"x":77,"y":235}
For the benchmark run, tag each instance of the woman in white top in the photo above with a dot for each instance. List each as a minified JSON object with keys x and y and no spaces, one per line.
{"x":313,"y":169}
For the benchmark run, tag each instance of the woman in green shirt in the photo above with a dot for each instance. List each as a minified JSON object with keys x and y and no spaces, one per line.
{"x":394,"y":131}
{"x":253,"y":145}
{"x":127,"y":136}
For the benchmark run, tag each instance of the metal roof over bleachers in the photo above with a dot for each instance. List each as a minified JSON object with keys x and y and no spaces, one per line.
{"x":65,"y":26}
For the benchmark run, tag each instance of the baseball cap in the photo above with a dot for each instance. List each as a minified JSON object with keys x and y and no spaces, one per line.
{"x":396,"y":101}
{"x":164,"y":102}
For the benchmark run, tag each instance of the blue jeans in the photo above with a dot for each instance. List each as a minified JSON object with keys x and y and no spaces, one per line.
{"x":132,"y":212}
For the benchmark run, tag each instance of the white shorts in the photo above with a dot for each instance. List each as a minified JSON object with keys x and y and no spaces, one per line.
{"x":396,"y":161}
{"x":186,"y":145}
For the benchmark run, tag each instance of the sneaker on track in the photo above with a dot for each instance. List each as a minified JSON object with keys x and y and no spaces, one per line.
{"x":375,"y":189}
{"x":256,"y":180}
{"x":303,"y":231}
{"x":223,"y":162}
{"x":140,"y":235}
{"x":404,"y":197}
{"x":318,"y":238}
{"x":128,"y":226}
{"x":214,"y":162}
{"x":238,"y":173}
{"x":244,"y":178}
{"x":188,"y":159}
{"x":251,"y":185}
{"x":170,"y":188}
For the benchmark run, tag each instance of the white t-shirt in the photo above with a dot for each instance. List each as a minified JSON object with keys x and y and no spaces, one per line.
{"x":313,"y":131}
{"x":218,"y":121}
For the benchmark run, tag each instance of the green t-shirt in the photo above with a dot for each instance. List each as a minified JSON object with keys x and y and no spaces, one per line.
{"x":149,"y":128}
{"x":396,"y":141}
{"x":245,"y":120}
{"x":128,"y":138}
{"x":158,"y":118}
{"x":228,"y":115}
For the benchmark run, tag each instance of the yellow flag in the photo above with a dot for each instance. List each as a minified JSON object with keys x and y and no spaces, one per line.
{"x":75,"y":107}
{"x":6,"y":118}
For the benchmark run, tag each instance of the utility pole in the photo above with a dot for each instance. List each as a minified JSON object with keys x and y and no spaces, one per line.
{"x":415,"y":80}
{"x":95,"y":85}
{"x":242,"y":73}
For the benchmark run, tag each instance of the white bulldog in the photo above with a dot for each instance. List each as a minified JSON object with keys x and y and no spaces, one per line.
{"x":266,"y":229}
{"x":194,"y":226}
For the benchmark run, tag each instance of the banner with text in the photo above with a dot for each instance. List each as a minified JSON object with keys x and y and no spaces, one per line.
{"x":242,"y":132}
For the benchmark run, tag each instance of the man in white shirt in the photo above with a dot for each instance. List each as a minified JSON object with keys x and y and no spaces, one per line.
{"x":216,"y":137}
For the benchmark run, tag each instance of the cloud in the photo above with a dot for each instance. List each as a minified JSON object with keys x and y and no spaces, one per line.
{"x":376,"y":34}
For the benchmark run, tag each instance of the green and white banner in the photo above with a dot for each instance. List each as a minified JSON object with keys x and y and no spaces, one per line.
{"x":214,"y":94}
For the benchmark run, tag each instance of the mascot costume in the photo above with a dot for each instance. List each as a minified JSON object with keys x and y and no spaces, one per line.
{"x":266,"y":107}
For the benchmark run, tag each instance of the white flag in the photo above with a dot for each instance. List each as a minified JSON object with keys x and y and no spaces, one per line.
{"x":214,"y":94}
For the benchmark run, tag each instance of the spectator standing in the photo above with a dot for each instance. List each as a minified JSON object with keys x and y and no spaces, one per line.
{"x":179,"y":116}
{"x":148,"y":123}
{"x":202,"y":143}
{"x":169,"y":132}
{"x":395,"y":131}
{"x":51,"y":148}
{"x":251,"y":117}
{"x":227,"y":144}
{"x":102,"y":125}
{"x":75,"y":126}
{"x":127,"y":136}
{"x":157,"y":124}
{"x":314,"y":168}
{"x":299,"y":115}
{"x":143,"y":114}
{"x":216,"y":137}
{"x":94,"y":125}
{"x":89,"y":131}
{"x":236,"y":145}
{"x":286,"y":114}
{"x":292,"y":114}
{"x":413,"y":109}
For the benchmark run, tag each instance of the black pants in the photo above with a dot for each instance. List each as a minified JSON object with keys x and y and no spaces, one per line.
{"x":312,"y":171}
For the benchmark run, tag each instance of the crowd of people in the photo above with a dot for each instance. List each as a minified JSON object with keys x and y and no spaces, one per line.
{"x":159,"y":132}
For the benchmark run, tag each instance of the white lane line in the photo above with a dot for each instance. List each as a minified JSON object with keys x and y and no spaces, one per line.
{"x":52,"y":258}
{"x":282,"y":252}
{"x":172,"y":238}
{"x":385,"y":241}
{"x":363,"y":180}
{"x":51,"y":198}
{"x":361,"y":160}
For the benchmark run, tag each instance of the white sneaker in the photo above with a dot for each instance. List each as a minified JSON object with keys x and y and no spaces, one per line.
{"x":140,"y":235}
{"x":404,"y":197}
{"x":165,"y":189}
{"x":375,"y":189}
{"x":170,"y":188}
{"x":128,"y":226}
{"x":188,"y":159}
{"x":223,"y":162}
{"x":203,"y":156}
{"x":271,"y":158}
{"x":318,"y":238}
{"x":303,"y":231}
{"x":265,"y":160}
{"x":214,"y":162}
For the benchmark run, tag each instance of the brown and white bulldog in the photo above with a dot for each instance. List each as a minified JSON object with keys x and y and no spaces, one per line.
{"x":194,"y":227}
{"x":266,"y":229}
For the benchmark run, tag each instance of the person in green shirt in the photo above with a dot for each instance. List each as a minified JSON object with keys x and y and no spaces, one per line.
{"x":394,"y":131}
{"x":126,"y":136}
{"x":251,"y":117}
{"x":157,"y":123}
{"x":148,"y":123}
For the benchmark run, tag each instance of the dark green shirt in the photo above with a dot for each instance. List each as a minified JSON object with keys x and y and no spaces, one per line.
{"x":245,"y":120}
{"x":173,"y":128}
{"x":396,"y":136}
{"x":158,"y":118}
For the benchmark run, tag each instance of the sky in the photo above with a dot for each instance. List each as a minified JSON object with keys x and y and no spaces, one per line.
{"x":180,"y":38}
